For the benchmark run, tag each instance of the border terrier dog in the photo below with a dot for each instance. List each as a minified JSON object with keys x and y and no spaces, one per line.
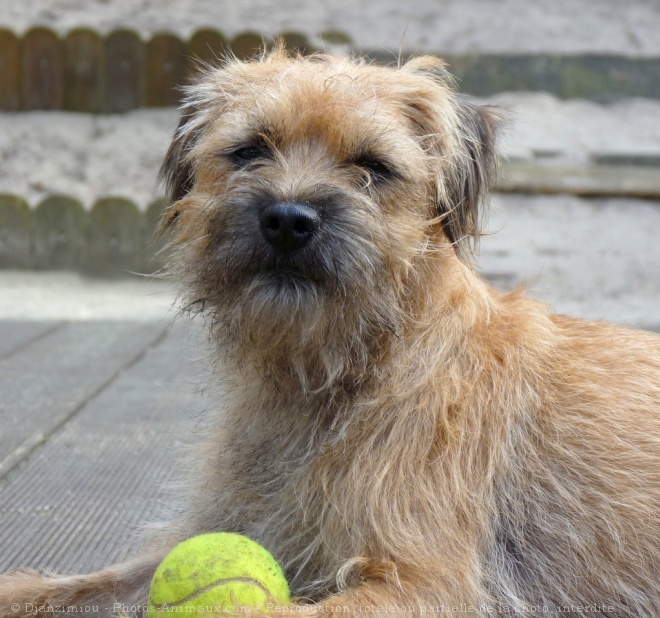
{"x":402,"y":437}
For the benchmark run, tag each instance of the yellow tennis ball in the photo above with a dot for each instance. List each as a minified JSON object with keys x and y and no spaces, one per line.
{"x":214,"y":573}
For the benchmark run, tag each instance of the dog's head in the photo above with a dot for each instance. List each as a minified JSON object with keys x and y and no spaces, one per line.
{"x":313,"y":198}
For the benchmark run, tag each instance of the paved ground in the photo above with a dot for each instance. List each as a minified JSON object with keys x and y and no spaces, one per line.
{"x":91,"y":415}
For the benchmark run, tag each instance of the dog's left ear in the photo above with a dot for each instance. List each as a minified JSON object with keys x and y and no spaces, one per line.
{"x":465,"y":185}
{"x":461,"y":136}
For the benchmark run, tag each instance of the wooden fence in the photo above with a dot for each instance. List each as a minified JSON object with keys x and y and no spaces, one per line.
{"x":86,"y":72}
{"x":111,"y":239}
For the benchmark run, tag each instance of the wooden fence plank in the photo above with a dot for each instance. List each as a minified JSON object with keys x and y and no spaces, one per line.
{"x":206,"y":47}
{"x":296,"y":41}
{"x":165,"y":70}
{"x":43,"y":70}
{"x":15,"y":245}
{"x":59,"y":233}
{"x":124,"y":71}
{"x":83,"y":71}
{"x":116,"y":238}
{"x":247,"y":45}
{"x":10,"y":71}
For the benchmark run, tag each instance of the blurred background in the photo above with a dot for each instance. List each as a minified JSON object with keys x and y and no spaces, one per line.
{"x":88,"y":98}
{"x":97,"y":388}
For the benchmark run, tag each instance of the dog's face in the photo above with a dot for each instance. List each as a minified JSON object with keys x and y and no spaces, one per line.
{"x":311,"y":197}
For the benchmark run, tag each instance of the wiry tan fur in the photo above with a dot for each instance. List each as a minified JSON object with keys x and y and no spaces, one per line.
{"x":396,"y":432}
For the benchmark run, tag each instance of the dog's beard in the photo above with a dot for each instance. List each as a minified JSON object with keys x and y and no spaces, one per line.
{"x":315,"y":314}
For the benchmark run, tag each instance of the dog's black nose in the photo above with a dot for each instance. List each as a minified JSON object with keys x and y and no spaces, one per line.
{"x":288,"y":225}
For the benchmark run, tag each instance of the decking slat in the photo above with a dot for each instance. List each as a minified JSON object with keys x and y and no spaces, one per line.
{"x":77,"y":503}
{"x":15,"y":335}
{"x":49,"y":380}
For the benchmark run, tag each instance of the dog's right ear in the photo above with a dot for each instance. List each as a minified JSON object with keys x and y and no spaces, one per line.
{"x":462,"y":136}
{"x":467,"y":183}
{"x":176,"y":173}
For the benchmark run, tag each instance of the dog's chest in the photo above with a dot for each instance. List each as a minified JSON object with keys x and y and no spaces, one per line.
{"x":281,"y":499}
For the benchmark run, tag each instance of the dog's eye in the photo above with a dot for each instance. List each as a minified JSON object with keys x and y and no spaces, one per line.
{"x":377,"y":169}
{"x":246,"y":155}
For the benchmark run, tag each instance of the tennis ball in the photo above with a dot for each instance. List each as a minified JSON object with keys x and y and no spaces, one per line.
{"x":216,"y":572}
